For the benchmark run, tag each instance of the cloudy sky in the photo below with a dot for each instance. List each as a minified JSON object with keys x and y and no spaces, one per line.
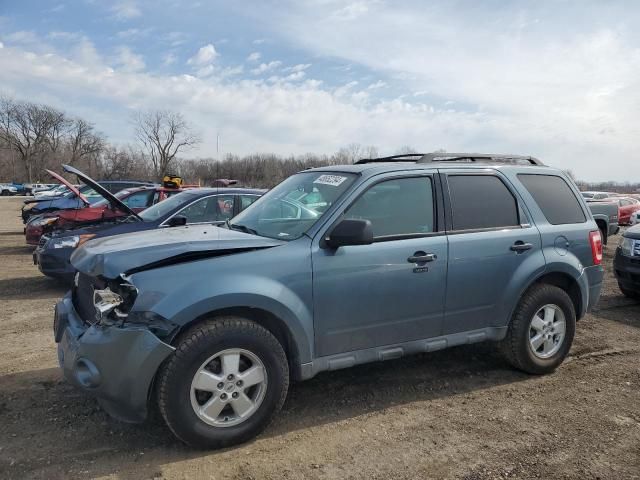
{"x":556,"y":79}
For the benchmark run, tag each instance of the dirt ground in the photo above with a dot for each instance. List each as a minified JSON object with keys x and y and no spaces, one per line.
{"x":461,"y":413}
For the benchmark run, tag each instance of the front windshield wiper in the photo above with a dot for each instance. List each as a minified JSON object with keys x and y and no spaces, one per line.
{"x":241,"y":228}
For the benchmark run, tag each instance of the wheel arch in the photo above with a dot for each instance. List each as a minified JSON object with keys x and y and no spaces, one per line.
{"x":274,"y":324}
{"x":564,"y":281}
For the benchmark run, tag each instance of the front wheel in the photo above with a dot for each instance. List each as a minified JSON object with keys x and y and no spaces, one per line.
{"x":541,"y":331}
{"x":224,"y":383}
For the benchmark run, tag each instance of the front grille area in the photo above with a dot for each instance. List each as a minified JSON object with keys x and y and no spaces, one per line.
{"x":636,"y":248}
{"x":82,"y":296}
{"x":43,"y":241}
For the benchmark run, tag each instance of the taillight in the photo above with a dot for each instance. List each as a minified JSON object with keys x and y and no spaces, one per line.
{"x":595,"y":239}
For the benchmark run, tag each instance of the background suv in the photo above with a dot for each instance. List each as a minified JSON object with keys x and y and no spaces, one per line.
{"x":334,"y":267}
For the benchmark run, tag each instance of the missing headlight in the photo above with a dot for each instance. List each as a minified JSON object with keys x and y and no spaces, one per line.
{"x":105,"y":301}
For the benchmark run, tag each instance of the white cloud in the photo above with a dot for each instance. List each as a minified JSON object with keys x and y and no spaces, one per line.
{"x":554,"y":82}
{"x":353,"y":10}
{"x":205,"y":55}
{"x":22,"y":36}
{"x":205,"y":71}
{"x":296,"y":76}
{"x":266,"y":67}
{"x":377,"y":85}
{"x":125,"y":10}
{"x":176,"y":39}
{"x":133,"y":33}
{"x":169,"y":59}
{"x":284,"y":117}
{"x":65,"y":36}
{"x":254,"y":57}
{"x":129,"y":61}
{"x":298,"y":68}
{"x":259,"y":41}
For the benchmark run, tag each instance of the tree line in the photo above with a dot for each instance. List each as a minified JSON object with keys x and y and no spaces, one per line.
{"x":35,"y":137}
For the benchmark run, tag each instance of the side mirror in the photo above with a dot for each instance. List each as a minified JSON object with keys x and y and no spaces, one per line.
{"x":350,"y":232}
{"x":177,"y":221}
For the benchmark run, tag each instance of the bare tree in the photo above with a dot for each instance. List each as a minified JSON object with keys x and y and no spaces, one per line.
{"x":84,"y":142}
{"x":406,"y":150}
{"x":354,"y":152}
{"x":163,"y":134}
{"x":32,"y":131}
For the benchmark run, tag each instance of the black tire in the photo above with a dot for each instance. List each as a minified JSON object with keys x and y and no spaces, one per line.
{"x":5,"y":193}
{"x":633,"y":295}
{"x":193,"y":348}
{"x":516,"y":346}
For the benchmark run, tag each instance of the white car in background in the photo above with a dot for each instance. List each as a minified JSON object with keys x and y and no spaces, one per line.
{"x":6,"y":189}
{"x":52,"y":192}
{"x":635,"y":218}
{"x":597,"y":195}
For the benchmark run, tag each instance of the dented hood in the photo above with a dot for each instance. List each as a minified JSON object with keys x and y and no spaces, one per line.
{"x":128,"y":253}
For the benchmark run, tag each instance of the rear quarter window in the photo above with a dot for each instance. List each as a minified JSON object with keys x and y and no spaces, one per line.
{"x":555,"y":198}
{"x":481,"y":202}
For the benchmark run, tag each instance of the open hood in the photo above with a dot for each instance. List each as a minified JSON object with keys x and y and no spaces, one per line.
{"x":70,"y":186}
{"x":115,"y":203}
{"x":131,"y":252}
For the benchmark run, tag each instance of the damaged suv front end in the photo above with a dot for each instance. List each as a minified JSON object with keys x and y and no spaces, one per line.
{"x":93,"y":326}
{"x":110,"y":340}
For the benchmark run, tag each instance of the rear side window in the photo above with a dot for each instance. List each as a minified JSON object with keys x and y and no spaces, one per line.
{"x":555,"y":198}
{"x":481,"y":202}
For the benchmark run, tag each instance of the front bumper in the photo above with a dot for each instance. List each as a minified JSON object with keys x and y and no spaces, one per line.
{"x":115,"y":364}
{"x":54,"y":262}
{"x":627,"y":271}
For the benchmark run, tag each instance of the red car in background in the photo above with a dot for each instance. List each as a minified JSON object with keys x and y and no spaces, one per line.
{"x":137,"y":199}
{"x":627,"y":206}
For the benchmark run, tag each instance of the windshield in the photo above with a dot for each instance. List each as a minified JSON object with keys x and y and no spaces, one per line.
{"x":120,"y":195}
{"x":164,"y":207}
{"x":289,"y":210}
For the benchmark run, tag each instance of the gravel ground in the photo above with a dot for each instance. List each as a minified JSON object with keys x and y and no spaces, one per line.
{"x":461,"y":413}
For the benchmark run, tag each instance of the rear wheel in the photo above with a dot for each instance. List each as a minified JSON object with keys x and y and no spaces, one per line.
{"x":224,"y":383}
{"x":541,"y":330}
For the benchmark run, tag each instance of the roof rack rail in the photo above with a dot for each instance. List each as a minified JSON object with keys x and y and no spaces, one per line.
{"x":457,"y":157}
{"x":407,"y":157}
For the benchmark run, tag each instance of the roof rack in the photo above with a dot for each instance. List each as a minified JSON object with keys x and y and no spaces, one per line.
{"x":457,"y":157}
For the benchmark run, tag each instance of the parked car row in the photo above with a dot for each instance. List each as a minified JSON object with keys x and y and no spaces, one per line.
{"x":59,"y":224}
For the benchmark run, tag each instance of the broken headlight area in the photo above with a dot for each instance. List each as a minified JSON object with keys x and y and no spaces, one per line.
{"x":113,"y":303}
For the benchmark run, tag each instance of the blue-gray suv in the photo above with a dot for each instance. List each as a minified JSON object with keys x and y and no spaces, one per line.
{"x":334,"y":267}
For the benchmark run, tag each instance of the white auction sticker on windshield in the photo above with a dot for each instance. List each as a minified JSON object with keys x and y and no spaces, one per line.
{"x":333,"y":180}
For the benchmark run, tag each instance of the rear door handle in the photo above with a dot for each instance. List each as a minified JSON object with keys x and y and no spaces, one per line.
{"x":520,"y":247}
{"x":421,"y":257}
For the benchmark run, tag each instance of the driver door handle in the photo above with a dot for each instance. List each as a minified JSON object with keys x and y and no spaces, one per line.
{"x":421,"y":257}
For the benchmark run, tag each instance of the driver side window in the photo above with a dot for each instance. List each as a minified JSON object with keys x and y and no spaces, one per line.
{"x":401,"y":206}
